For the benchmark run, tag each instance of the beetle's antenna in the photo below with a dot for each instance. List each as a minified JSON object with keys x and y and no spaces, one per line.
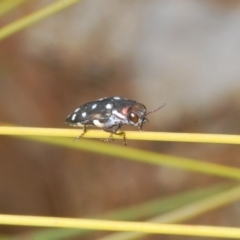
{"x":154,"y":110}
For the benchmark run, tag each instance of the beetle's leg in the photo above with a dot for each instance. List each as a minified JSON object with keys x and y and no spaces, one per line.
{"x":113,"y":130}
{"x":84,"y":131}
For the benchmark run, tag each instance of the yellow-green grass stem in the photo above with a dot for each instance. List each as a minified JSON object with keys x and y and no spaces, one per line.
{"x":106,"y":225}
{"x":37,"y":16}
{"x":186,"y":212}
{"x":140,"y":211}
{"x":6,"y":5}
{"x":121,"y":151}
{"x":147,"y":157}
{"x":130,"y":135}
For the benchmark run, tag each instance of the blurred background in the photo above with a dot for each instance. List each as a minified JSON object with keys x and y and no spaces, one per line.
{"x":185,"y":53}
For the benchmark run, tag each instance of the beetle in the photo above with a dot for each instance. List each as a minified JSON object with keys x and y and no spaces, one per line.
{"x":110,"y":113}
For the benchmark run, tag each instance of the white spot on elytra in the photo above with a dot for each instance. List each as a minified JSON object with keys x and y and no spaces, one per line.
{"x":109,"y":106}
{"x":84,"y":114}
{"x":94,"y":106}
{"x":97,"y":123}
{"x":73,"y":116}
{"x":77,"y":110}
{"x":117,"y":98}
{"x":101,"y":99}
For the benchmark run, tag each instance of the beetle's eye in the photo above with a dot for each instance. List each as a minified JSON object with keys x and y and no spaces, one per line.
{"x":133,"y":117}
